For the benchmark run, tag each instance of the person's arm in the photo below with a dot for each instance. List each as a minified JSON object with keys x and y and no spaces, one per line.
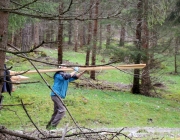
{"x":76,"y":71}
{"x":73,"y":73}
{"x":80,"y":73}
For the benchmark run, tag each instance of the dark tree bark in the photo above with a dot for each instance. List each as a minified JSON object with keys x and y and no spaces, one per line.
{"x":47,"y":32}
{"x":152,"y":45}
{"x":35,"y":34}
{"x":145,"y":79}
{"x":136,"y":84}
{"x":76,"y":37}
{"x":94,"y":49}
{"x":89,"y":38}
{"x":84,"y":35}
{"x":108,"y":37}
{"x":17,"y":38}
{"x":26,"y":37}
{"x":70,"y":33}
{"x":3,"y":39}
{"x":53,"y":28}
{"x":100,"y":36}
{"x":81,"y":34}
{"x":176,"y":54}
{"x":60,"y":36}
{"x":76,"y":29}
{"x":122,"y":36}
{"x":41,"y":31}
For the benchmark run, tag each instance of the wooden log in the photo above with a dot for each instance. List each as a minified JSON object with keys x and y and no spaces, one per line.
{"x":132,"y":66}
{"x":20,"y":135}
{"x":19,"y":78}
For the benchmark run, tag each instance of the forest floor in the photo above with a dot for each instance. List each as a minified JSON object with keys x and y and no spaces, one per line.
{"x":140,"y":133}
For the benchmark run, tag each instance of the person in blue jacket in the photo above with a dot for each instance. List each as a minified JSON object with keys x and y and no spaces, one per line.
{"x":60,"y":86}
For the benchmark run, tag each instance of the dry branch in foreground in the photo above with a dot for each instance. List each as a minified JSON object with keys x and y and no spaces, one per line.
{"x":71,"y":134}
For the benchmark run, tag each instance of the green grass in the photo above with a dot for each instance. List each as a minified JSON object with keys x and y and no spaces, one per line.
{"x":90,"y":107}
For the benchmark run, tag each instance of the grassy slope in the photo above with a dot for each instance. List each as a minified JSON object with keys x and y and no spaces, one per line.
{"x":91,"y":108}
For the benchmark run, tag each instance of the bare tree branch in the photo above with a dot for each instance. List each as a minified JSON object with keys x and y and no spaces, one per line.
{"x":17,"y":134}
{"x":17,"y":83}
{"x":24,"y":5}
{"x":30,"y":117}
{"x":70,"y":4}
{"x":94,"y":135}
{"x":31,"y":50}
{"x":16,"y":104}
{"x":31,"y":9}
{"x":55,"y":64}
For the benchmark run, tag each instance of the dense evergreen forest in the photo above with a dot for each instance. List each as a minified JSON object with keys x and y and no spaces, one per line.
{"x":121,"y":31}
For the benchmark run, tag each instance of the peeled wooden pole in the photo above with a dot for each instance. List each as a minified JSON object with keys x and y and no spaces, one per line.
{"x":19,"y":78}
{"x":131,"y":66}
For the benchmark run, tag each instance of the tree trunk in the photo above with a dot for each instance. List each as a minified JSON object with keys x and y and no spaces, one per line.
{"x":152,"y":45}
{"x":175,"y":54}
{"x":41,"y":32}
{"x":76,"y":40}
{"x":48,"y":33}
{"x":82,"y":35}
{"x":108,"y":37}
{"x":60,"y":36}
{"x":3,"y":40}
{"x":145,"y":79}
{"x":51,"y":28}
{"x":36,"y":34}
{"x":92,"y":76}
{"x":122,"y":36}
{"x":100,"y":36}
{"x":26,"y":38}
{"x":136,"y":84}
{"x":89,"y":38}
{"x":11,"y":37}
{"x":70,"y":33}
{"x":18,"y":38}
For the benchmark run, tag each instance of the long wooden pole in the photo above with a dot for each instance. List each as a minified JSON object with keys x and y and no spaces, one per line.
{"x":131,"y":66}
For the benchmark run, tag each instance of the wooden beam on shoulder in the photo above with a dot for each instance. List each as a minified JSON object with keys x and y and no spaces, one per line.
{"x":130,"y":66}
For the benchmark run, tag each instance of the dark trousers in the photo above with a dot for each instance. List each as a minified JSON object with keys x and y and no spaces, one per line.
{"x":59,"y":111}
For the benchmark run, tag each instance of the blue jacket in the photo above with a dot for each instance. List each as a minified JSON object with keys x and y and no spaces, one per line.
{"x":61,"y":82}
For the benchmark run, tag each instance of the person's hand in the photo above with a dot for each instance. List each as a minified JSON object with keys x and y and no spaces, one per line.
{"x":76,"y":69}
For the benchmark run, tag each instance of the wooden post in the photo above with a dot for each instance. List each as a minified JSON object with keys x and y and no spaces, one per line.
{"x":132,"y":66}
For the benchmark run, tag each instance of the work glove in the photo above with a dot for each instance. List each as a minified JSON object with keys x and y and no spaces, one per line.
{"x":76,"y":69}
